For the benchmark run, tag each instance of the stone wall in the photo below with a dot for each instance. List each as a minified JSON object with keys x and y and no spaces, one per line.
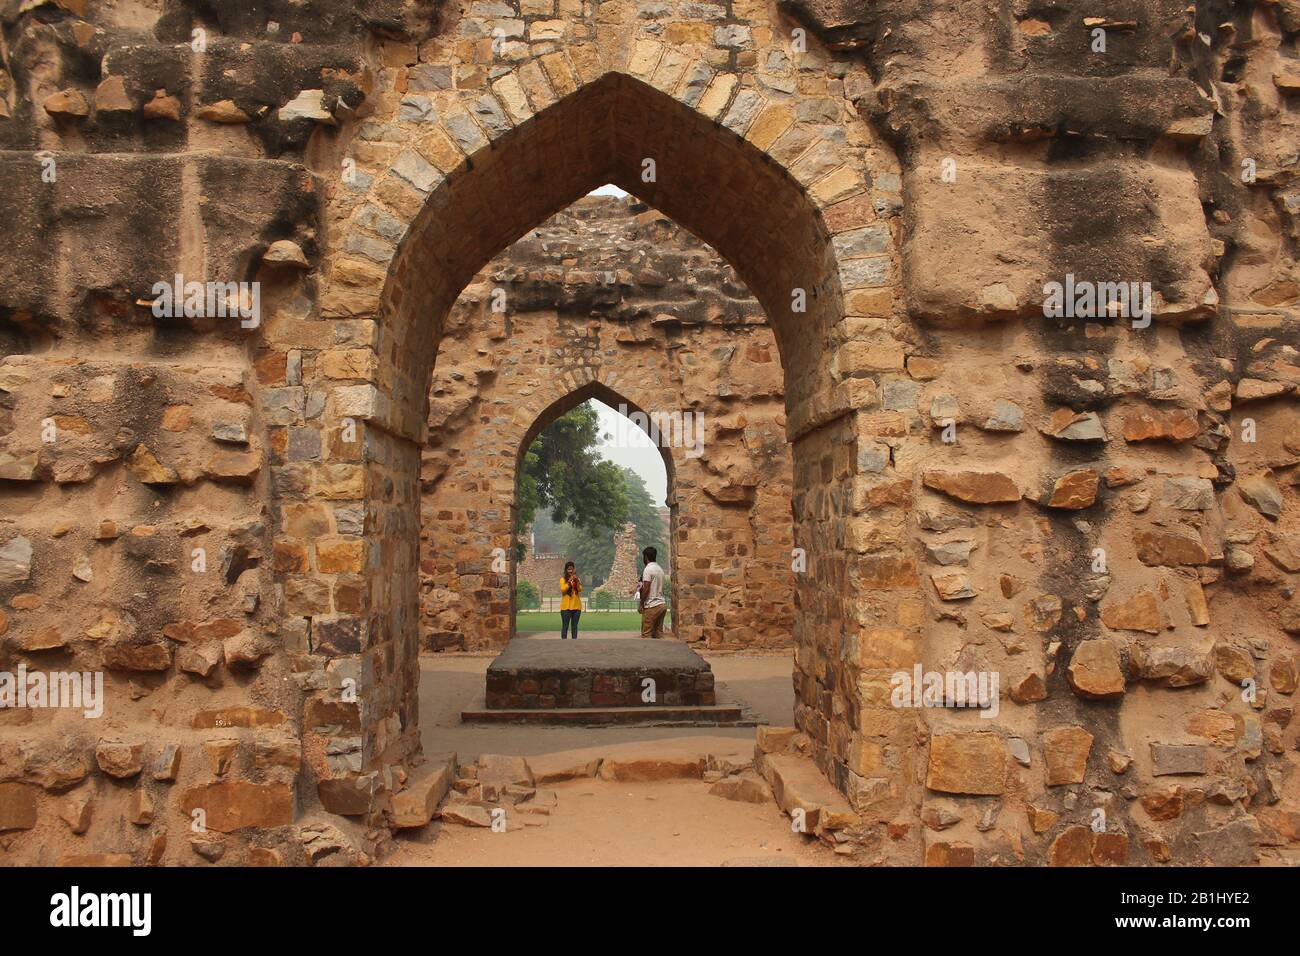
{"x":543,"y":570}
{"x":223,"y":518}
{"x":611,"y":300}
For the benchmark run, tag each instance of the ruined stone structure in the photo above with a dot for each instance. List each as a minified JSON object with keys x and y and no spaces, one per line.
{"x":225,"y":519}
{"x":610,"y":300}
{"x":543,"y":570}
{"x":623,"y":574}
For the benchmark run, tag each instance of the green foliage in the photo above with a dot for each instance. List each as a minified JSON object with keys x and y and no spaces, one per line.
{"x":526,"y":598}
{"x":601,"y":601}
{"x":563,"y":473}
{"x":593,"y":551}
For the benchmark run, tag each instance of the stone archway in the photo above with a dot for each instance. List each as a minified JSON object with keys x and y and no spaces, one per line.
{"x":766,"y":192}
{"x":610,"y":292}
{"x":236,"y":503}
{"x":601,"y":391}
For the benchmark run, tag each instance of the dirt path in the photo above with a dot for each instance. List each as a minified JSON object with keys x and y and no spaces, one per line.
{"x":597,"y":822}
{"x":601,"y":823}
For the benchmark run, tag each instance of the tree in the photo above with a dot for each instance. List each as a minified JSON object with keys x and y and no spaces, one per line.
{"x":563,"y":473}
{"x":593,"y":551}
{"x":526,"y":596}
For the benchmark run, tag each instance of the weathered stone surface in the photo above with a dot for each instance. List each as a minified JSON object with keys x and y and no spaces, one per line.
{"x":1075,"y":490}
{"x":144,"y":464}
{"x":950,"y":552}
{"x":1065,"y":750}
{"x":77,"y":810}
{"x":346,"y":796}
{"x":121,"y":759}
{"x":17,"y":806}
{"x":1073,"y":847}
{"x":746,"y":787}
{"x":134,"y":656}
{"x":345,"y":521}
{"x":1139,"y":613}
{"x":415,"y":805}
{"x":1170,"y":547}
{"x":1188,"y":494}
{"x":1233,"y":663}
{"x":976,"y":487}
{"x":952,"y":585}
{"x":1285,"y":552}
{"x":1165,"y":804}
{"x":1171,"y":666}
{"x":1067,"y":425}
{"x":950,"y":854}
{"x":1261,"y":493}
{"x":1029,"y":689}
{"x":201,"y":660}
{"x":223,"y":111}
{"x":774,"y":739}
{"x":1174,"y":425}
{"x":238,"y":804}
{"x":639,"y":769}
{"x":797,"y":785}
{"x":466,"y":813}
{"x":973,"y":763}
{"x":246,"y":649}
{"x":15,"y":561}
{"x":67,"y":104}
{"x":1178,"y":759}
{"x":502,"y":771}
{"x":1095,"y":671}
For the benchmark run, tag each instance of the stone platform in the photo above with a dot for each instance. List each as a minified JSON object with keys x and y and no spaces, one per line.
{"x":685,"y":715}
{"x":597,"y":674}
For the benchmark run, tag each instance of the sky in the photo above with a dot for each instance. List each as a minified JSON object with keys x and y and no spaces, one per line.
{"x":629,"y":447}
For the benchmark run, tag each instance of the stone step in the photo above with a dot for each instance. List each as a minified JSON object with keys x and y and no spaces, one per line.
{"x":797,"y":784}
{"x":415,"y":804}
{"x":715,"y":715}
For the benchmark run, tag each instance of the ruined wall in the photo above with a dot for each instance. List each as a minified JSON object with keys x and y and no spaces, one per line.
{"x":543,"y":570}
{"x":1112,"y":531}
{"x":623,"y":576}
{"x":148,"y":460}
{"x":611,"y":295}
{"x":1108,"y":522}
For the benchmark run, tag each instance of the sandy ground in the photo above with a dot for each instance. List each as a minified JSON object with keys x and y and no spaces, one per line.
{"x":598,"y":823}
{"x":602,"y":823}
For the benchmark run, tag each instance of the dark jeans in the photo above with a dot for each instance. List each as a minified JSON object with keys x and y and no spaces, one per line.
{"x":567,"y":618}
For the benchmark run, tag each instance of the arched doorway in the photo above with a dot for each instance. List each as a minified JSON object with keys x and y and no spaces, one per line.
{"x":769,"y":223}
{"x":545,"y":573}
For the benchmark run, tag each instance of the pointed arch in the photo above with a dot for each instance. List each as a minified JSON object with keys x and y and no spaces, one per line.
{"x":561,"y":406}
{"x":614,"y":398}
{"x":619,"y":130}
{"x":738,"y":168}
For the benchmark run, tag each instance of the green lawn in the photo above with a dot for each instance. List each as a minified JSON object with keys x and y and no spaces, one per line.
{"x":590,"y":621}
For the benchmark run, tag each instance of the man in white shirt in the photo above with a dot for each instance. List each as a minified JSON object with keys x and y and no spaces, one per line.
{"x":650,"y":596}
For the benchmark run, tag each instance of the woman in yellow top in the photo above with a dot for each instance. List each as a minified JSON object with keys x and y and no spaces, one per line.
{"x":570,"y":601}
